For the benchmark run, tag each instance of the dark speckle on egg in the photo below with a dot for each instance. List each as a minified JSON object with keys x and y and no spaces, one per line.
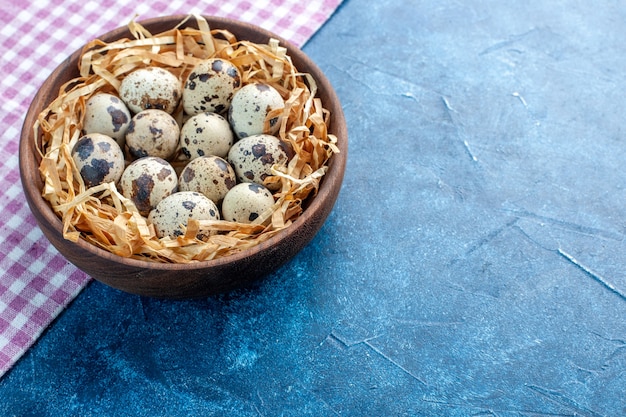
{"x":118,"y":117}
{"x":140,"y":194}
{"x":230,"y":182}
{"x":221,"y":164}
{"x":94,"y":173}
{"x":164,"y":174}
{"x":234,"y":74}
{"x":189,"y":174}
{"x":189,"y":205}
{"x":267,"y":159}
{"x":84,"y":147}
{"x":137,"y":153}
{"x":217,"y":65}
{"x":104,"y":146}
{"x":259,"y":150}
{"x":257,"y":188}
{"x":156,"y":131}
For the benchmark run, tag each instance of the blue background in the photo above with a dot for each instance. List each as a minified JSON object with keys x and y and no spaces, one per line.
{"x":474,"y":263}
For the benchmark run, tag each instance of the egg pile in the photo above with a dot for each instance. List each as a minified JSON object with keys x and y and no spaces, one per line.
{"x":198,"y":148}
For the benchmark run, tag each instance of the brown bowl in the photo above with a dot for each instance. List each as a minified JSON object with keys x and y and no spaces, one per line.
{"x":167,"y":280}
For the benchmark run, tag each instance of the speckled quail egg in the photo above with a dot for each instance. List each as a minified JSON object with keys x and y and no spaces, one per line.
{"x":152,"y":133}
{"x":105,"y":113}
{"x":245,"y":202}
{"x":147,"y":181}
{"x":205,"y":134}
{"x":173,"y":212}
{"x":250,"y":107}
{"x":209,"y":175}
{"x":252,"y":157}
{"x":99,"y":159}
{"x":210,"y":86}
{"x":151,"y":88}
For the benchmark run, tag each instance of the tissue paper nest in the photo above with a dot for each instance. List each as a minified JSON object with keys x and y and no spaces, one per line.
{"x":103,"y":216}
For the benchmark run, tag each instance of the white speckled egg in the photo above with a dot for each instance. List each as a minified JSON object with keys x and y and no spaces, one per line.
{"x":99,"y":159}
{"x":105,"y":113}
{"x":152,"y":133}
{"x":250,"y":107}
{"x":245,"y":202}
{"x":210,"y":86}
{"x":147,"y":181}
{"x":209,"y":175}
{"x":173,"y":212}
{"x":151,"y":88}
{"x":205,"y":134}
{"x":252,"y":157}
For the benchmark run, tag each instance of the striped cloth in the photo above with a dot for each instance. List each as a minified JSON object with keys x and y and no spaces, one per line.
{"x":36,"y":282}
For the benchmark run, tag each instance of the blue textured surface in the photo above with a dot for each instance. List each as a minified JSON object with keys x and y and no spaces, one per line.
{"x":473,"y":264}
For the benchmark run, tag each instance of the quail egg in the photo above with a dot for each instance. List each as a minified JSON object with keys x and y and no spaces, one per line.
{"x":245,"y":202}
{"x":105,"y":113}
{"x":173,"y":212}
{"x":209,"y":175}
{"x":210,"y":86}
{"x":252,"y":157}
{"x":151,"y":88}
{"x":205,"y":134}
{"x":250,"y":107}
{"x":147,"y":181}
{"x":99,"y":159}
{"x":152,"y":133}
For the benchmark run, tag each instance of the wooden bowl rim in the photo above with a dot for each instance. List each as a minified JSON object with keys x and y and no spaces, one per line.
{"x":335,"y":171}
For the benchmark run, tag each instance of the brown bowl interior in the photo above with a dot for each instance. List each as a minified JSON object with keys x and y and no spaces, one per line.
{"x":166,"y":280}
